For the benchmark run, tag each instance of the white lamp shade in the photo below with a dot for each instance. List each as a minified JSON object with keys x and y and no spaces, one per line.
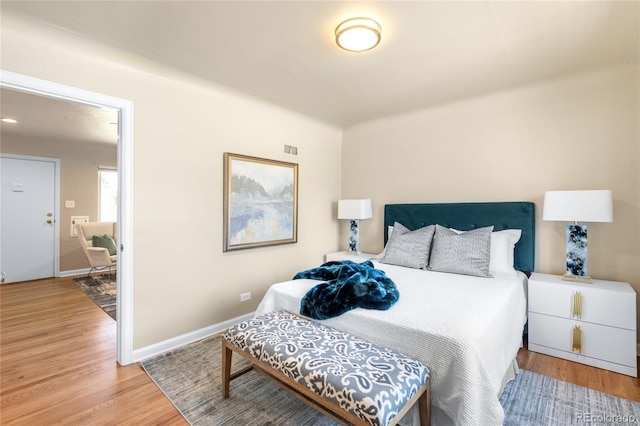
{"x":354,"y":209}
{"x":578,"y":206}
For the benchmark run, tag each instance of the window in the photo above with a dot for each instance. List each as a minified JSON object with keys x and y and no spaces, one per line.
{"x":108,"y":195}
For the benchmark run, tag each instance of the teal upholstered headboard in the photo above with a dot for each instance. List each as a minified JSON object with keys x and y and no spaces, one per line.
{"x":466,"y":216}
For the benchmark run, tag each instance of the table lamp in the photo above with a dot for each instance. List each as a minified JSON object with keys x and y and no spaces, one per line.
{"x":577,"y":206}
{"x":354,"y":210}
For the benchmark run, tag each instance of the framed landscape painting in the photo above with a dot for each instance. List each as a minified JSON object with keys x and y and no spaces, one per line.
{"x":260,"y":202}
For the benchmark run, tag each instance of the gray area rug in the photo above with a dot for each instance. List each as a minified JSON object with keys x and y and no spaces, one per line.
{"x":190,"y":377}
{"x":534,"y":399}
{"x":101,"y":289}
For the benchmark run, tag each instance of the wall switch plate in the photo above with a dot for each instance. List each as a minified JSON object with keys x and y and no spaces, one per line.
{"x":70,"y":204}
{"x":245,"y":296}
{"x":74,"y":220}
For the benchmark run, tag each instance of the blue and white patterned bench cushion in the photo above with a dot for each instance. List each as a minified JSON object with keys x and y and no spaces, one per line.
{"x":372,"y":382}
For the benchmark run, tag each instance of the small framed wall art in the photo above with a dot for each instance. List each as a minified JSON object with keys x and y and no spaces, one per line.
{"x":260,"y":202}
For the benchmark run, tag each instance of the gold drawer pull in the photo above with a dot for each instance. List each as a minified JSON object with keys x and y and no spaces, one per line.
{"x":577,"y":339}
{"x":577,"y":305}
{"x":580,"y":305}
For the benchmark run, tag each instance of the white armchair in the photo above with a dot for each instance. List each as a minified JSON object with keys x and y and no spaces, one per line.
{"x":99,"y":257}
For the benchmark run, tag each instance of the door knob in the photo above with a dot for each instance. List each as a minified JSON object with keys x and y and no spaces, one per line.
{"x":49,"y":221}
{"x":49,"y":214}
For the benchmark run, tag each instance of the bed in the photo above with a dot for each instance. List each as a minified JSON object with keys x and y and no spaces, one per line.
{"x":466,"y":329}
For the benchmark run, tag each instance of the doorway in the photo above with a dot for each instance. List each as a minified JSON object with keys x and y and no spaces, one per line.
{"x":45,"y":88}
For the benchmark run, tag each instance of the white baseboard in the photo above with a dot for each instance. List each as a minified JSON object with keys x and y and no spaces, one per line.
{"x":175,"y":342}
{"x":72,"y":273}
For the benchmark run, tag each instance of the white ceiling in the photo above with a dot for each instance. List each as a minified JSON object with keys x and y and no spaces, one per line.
{"x":431,"y":51}
{"x":55,"y":120}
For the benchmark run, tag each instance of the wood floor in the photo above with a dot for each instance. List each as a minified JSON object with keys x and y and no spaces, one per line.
{"x":57,"y":364}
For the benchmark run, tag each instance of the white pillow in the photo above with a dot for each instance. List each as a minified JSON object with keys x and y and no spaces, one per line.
{"x":381,"y":254}
{"x":502,"y":247}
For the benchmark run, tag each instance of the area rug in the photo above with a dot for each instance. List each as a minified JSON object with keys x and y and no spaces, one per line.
{"x":534,"y":399}
{"x":101,"y":289}
{"x":190,"y":378}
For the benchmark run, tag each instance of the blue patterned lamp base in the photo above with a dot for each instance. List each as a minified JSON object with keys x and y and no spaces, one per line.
{"x":354,"y":237}
{"x":577,"y":254}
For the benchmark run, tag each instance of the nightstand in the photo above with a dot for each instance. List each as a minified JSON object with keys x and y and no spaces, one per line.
{"x":345,"y":255}
{"x":594,"y":324}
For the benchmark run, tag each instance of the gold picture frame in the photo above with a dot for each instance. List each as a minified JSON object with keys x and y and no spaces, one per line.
{"x":260,"y":202}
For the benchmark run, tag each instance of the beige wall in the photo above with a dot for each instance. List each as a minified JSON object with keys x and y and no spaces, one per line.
{"x":579,"y":132}
{"x":573,"y":133}
{"x":79,"y":164}
{"x":182,"y":126}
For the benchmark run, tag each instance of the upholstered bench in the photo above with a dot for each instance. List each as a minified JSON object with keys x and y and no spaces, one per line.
{"x":347,"y":379}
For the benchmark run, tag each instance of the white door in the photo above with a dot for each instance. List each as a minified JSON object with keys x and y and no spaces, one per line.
{"x":27,"y":219}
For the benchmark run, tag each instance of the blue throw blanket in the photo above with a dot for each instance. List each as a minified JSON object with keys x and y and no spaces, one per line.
{"x":348,"y":285}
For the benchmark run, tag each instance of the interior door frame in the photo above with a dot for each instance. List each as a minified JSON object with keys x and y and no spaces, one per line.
{"x":124,"y":298}
{"x":56,"y":201}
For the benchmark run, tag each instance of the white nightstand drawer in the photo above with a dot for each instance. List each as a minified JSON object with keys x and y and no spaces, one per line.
{"x":615,"y":345}
{"x":604,"y":311}
{"x":603,"y":302}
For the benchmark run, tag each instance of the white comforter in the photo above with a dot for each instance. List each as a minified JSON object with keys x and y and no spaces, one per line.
{"x":467,"y":330}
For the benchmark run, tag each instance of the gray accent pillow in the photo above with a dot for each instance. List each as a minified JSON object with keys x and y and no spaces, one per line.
{"x":466,"y":253}
{"x":106,"y":242}
{"x":409,"y":248}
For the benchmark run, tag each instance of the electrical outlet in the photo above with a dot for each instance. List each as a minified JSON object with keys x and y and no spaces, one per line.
{"x":76,"y":219}
{"x":245,"y":296}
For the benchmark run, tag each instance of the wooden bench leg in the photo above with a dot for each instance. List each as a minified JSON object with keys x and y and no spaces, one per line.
{"x":424,"y":405}
{"x":226,"y":368}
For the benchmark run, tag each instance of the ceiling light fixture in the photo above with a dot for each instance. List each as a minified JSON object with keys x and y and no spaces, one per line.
{"x":358,"y":34}
{"x":8,"y":120}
